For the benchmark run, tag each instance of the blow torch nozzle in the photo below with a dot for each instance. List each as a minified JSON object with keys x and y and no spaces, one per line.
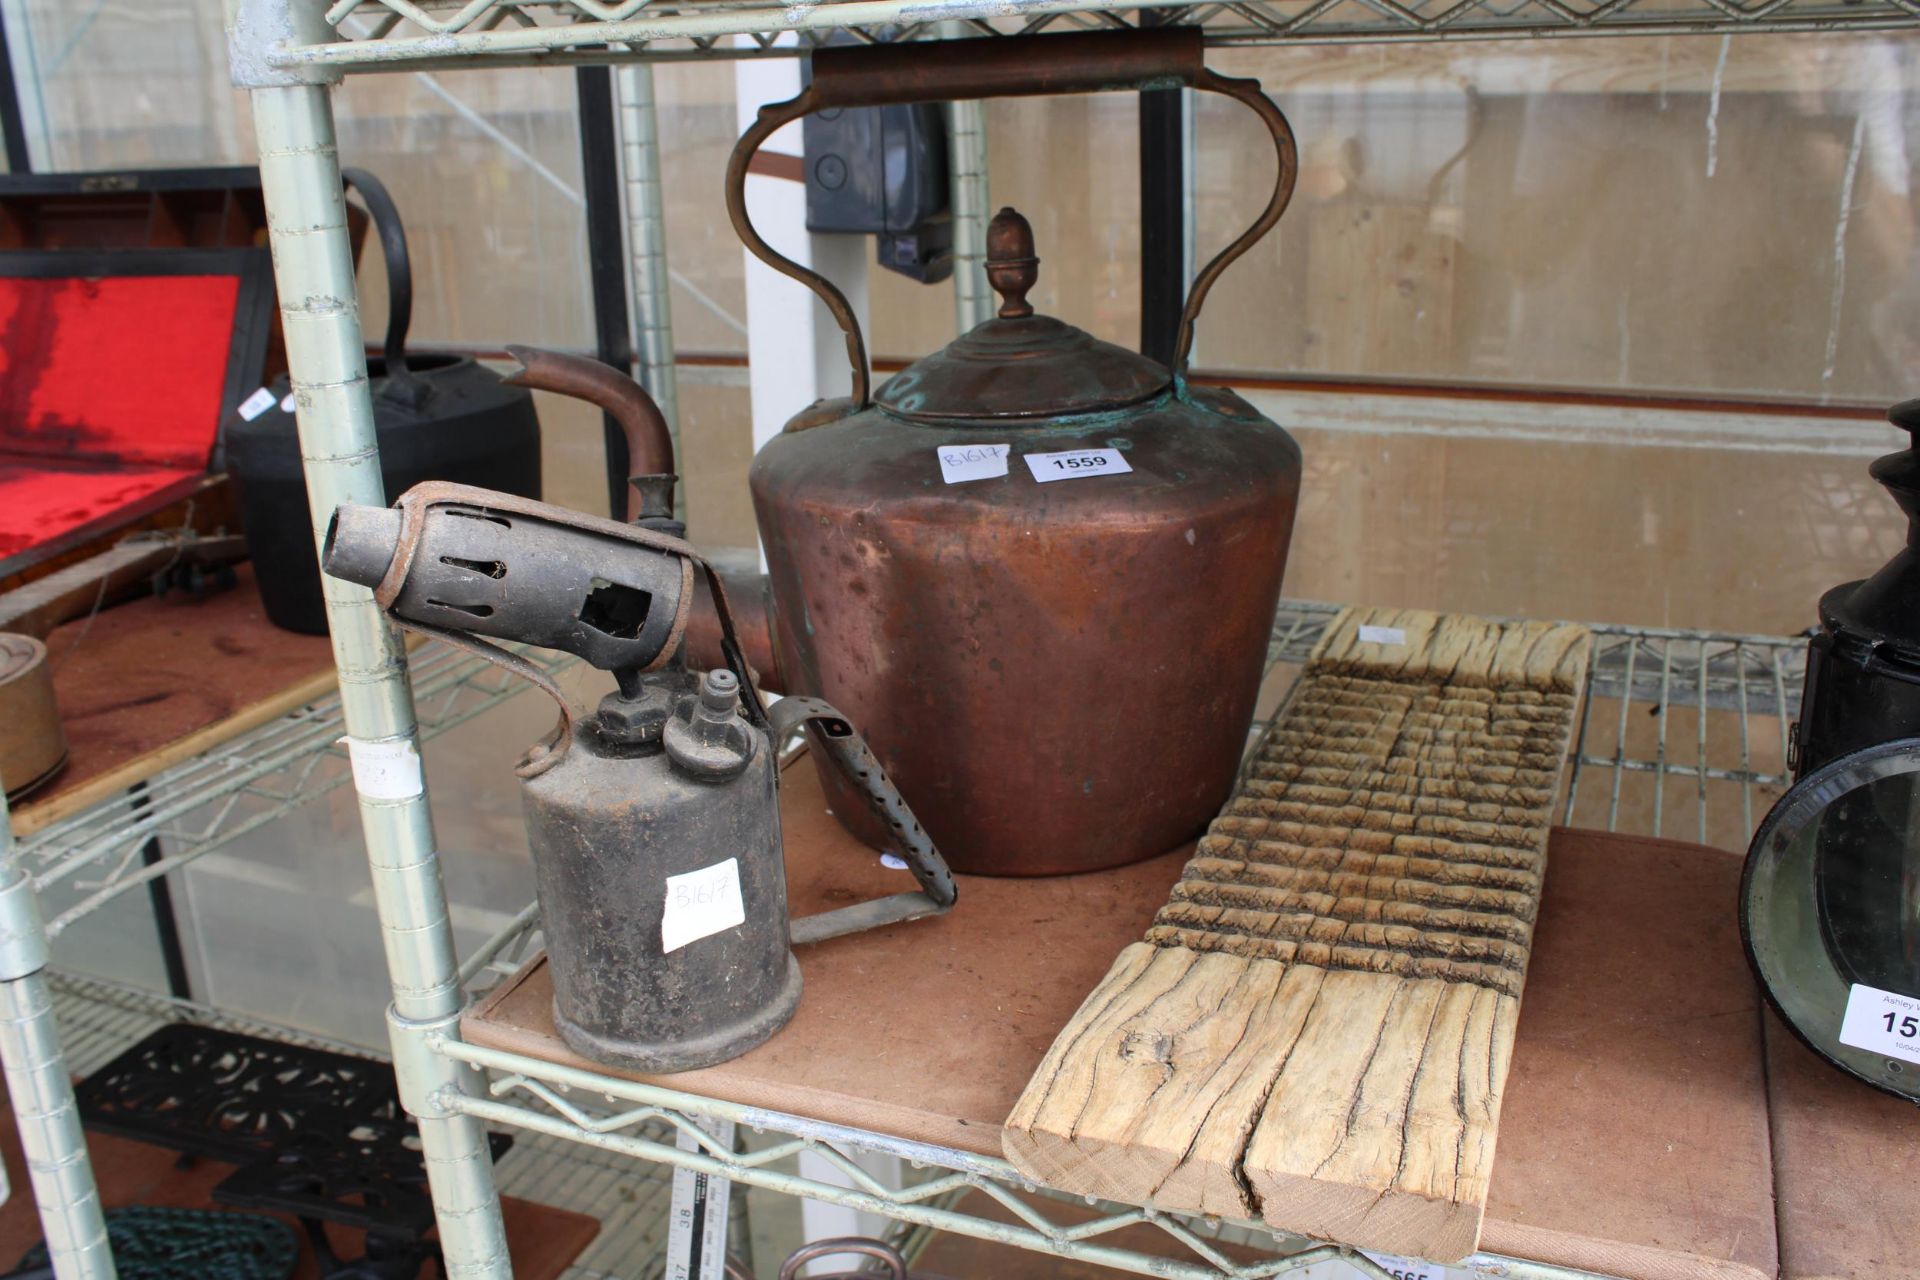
{"x":490,"y":564}
{"x":360,"y":543}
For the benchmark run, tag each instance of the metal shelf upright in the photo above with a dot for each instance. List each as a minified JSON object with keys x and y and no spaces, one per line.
{"x":288,"y":54}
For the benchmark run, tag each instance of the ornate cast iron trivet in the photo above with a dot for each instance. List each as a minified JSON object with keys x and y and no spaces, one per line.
{"x":317,"y":1134}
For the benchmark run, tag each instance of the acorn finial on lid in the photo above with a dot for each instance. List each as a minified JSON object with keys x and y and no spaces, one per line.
{"x":1012,"y":267}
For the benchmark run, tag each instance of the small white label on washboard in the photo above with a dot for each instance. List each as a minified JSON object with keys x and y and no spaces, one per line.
{"x":960,"y":463}
{"x":386,"y":770}
{"x":700,"y":904}
{"x":1382,"y":635}
{"x":1882,"y":1022}
{"x":256,"y":404}
{"x":1076,"y":464}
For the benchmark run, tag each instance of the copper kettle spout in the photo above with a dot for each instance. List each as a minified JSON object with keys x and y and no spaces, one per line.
{"x":650,"y":456}
{"x":649,"y":443}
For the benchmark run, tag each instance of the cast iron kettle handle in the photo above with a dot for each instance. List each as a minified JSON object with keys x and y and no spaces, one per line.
{"x":409,"y":387}
{"x":857,"y":763}
{"x":1006,"y":67}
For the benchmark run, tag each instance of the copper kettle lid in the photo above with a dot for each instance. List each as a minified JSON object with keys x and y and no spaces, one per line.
{"x":1021,"y":365}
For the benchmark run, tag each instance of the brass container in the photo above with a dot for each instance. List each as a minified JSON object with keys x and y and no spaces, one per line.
{"x":33,"y":746}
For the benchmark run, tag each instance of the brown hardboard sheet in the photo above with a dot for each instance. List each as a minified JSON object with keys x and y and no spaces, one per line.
{"x":1843,"y":1167}
{"x":140,"y":677}
{"x":1634,"y":1139}
{"x":1635,"y":1136}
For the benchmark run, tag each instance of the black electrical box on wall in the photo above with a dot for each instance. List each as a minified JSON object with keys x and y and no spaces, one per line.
{"x":882,"y":171}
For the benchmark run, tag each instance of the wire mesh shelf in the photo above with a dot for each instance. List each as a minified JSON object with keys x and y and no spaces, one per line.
{"x":242,"y":784}
{"x":1683,"y":733}
{"x":376,"y":34}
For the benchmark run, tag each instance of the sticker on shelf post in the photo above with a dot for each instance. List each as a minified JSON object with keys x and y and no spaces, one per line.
{"x":960,"y":463}
{"x":1076,"y":464}
{"x":1382,"y":635}
{"x":1884,"y":1022}
{"x":386,"y":770}
{"x":256,"y":404}
{"x":700,"y":904}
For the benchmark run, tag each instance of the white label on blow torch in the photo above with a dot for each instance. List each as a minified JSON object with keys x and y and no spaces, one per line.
{"x":700,"y":904}
{"x":386,"y":770}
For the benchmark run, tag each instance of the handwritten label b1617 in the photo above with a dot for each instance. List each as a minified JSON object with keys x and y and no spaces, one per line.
{"x":700,"y":904}
{"x":960,"y":463}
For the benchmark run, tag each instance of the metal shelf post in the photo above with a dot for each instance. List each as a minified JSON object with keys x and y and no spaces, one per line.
{"x":38,"y":1085}
{"x":319,"y":309}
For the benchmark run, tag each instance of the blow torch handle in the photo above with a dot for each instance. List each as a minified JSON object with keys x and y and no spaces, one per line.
{"x":856,"y":761}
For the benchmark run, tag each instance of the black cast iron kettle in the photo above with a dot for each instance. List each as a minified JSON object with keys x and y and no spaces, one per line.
{"x":436,"y":417}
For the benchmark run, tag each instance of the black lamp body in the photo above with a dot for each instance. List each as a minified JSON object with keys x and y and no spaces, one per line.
{"x":1863,"y":666}
{"x":1830,"y":899}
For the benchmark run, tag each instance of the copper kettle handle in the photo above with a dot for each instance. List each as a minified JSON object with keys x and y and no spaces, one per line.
{"x":1007,"y":66}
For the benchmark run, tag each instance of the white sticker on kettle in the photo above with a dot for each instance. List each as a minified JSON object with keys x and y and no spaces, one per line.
{"x":960,"y":463}
{"x":1048,"y":467}
{"x":700,"y":904}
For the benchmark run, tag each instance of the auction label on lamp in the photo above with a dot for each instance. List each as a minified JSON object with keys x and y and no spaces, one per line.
{"x":700,"y":904}
{"x":960,"y":463}
{"x":1882,"y":1022}
{"x":1048,"y":467}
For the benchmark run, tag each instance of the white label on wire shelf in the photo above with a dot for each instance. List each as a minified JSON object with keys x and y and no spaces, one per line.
{"x":960,"y":463}
{"x":386,"y":770}
{"x":1415,"y":1269}
{"x":288,"y":404}
{"x":256,"y":404}
{"x":1048,"y":467}
{"x":1882,"y":1022}
{"x":702,"y":903}
{"x":1382,"y":635}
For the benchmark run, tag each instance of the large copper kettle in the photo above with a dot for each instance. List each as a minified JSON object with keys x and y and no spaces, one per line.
{"x":1058,"y":676}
